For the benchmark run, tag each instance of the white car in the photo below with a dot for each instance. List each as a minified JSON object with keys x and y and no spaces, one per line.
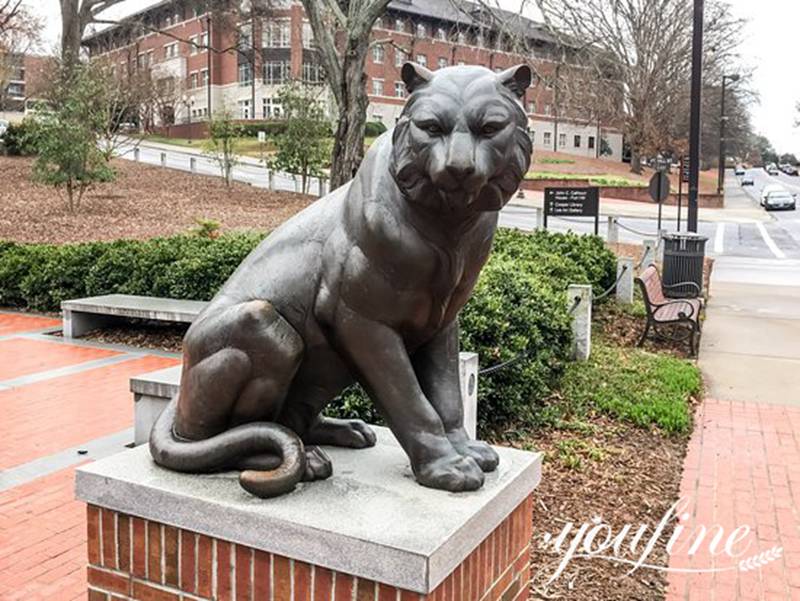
{"x":3,"y":127}
{"x":771,"y":189}
{"x":772,"y":169}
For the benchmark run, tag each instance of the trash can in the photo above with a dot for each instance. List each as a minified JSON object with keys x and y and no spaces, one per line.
{"x":684,"y":254}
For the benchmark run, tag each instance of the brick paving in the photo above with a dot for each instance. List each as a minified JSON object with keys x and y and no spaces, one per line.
{"x":743,"y":469}
{"x":42,"y":526}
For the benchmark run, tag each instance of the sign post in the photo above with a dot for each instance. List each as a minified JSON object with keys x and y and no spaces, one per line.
{"x":659,"y":191}
{"x":573,"y":202}
{"x":683,"y":179}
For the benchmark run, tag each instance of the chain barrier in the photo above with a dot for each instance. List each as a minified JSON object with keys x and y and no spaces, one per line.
{"x":613,"y":286}
{"x":635,"y":231}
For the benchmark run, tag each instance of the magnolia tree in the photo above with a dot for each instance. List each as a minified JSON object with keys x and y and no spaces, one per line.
{"x":66,"y":136}
{"x":303,"y":147}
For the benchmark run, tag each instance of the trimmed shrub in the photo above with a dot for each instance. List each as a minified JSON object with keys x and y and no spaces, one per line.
{"x":518,"y":306}
{"x":18,"y":141}
{"x":373,"y":129}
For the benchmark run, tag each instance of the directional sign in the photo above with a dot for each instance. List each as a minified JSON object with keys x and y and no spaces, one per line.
{"x":659,"y":186}
{"x":685,"y":169}
{"x":572,"y":202}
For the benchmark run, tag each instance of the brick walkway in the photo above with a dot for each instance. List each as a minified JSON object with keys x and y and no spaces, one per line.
{"x":55,"y":396}
{"x":743,"y":469}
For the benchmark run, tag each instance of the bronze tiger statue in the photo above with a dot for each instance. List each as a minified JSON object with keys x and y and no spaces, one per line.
{"x":364,"y":285}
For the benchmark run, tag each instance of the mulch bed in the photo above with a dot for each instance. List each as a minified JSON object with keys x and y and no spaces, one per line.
{"x":143,"y":202}
{"x":627,"y":475}
{"x":155,"y":335}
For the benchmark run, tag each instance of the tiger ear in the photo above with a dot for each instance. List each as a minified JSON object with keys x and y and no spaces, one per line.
{"x":517,"y":79}
{"x":415,"y":75}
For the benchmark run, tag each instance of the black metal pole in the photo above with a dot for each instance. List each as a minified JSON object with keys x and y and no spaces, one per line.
{"x":208,"y":67}
{"x":722,"y":119}
{"x":680,"y":194}
{"x":660,"y":203}
{"x":694,"y":123}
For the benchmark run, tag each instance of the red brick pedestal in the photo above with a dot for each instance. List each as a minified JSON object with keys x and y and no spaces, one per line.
{"x":132,"y":558}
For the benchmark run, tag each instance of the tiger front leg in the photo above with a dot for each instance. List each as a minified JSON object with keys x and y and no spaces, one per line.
{"x":381,"y":362}
{"x":436,"y":366}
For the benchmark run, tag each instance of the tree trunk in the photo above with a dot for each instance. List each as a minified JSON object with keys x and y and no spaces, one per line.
{"x":348,"y":148}
{"x":71,"y":33}
{"x":636,"y":162}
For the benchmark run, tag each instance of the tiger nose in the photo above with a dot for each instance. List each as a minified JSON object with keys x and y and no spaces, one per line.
{"x":460,"y":171}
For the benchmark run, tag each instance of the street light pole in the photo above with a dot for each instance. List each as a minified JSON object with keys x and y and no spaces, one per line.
{"x":694,"y":121}
{"x":723,"y":118}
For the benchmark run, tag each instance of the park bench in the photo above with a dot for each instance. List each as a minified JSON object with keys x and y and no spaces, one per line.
{"x":661,"y":311}
{"x":85,"y":314}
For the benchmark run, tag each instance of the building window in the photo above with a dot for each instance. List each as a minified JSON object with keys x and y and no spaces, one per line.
{"x":422,"y":31}
{"x":422,"y":60}
{"x":562,"y":140}
{"x":193,"y":80}
{"x":244,"y":109}
{"x":204,"y":78}
{"x":276,"y":72}
{"x":308,"y":35}
{"x":399,"y":89}
{"x":399,"y":57}
{"x":379,"y":23}
{"x":142,"y":60}
{"x":577,"y":141}
{"x":313,"y":73}
{"x":548,"y":138}
{"x":590,"y":143}
{"x":203,"y":41}
{"x":479,"y":40}
{"x":277,"y":34}
{"x":171,"y":50}
{"x":193,"y":44}
{"x":246,"y":36}
{"x":271,"y":109}
{"x":399,"y":24}
{"x":245,"y":74}
{"x":461,"y":63}
{"x":531,"y":106}
{"x":442,"y":62}
{"x":546,"y":109}
{"x":378,"y":53}
{"x":377,"y":87}
{"x":441,"y":34}
{"x":462,"y":38}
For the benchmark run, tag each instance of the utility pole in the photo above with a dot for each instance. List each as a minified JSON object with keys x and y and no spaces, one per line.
{"x":723,"y":118}
{"x":694,"y":121}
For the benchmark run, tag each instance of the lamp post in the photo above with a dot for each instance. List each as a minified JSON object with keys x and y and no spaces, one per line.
{"x":187,"y":103}
{"x":694,"y":122}
{"x":723,"y":118}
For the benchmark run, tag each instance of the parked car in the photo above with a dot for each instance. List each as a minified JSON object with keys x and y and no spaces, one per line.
{"x":3,"y":127}
{"x":771,"y":189}
{"x":772,"y":169}
{"x":789,"y":169}
{"x":780,"y":200}
{"x":739,"y":170}
{"x":748,"y":180}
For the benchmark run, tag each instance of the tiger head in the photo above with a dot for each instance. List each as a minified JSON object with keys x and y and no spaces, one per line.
{"x":461,"y":144}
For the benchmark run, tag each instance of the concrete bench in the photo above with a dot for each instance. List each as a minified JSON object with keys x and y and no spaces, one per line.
{"x":153,"y":390}
{"x":85,"y":314}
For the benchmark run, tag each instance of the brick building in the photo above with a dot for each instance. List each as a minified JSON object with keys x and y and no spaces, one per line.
{"x":20,"y":81}
{"x":256,"y":57}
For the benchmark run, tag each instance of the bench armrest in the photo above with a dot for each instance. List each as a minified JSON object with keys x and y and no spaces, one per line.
{"x":694,"y":284}
{"x":678,"y":301}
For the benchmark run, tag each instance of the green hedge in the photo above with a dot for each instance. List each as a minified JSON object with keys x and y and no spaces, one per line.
{"x":17,"y":139}
{"x":373,"y":129}
{"x":519,"y":303}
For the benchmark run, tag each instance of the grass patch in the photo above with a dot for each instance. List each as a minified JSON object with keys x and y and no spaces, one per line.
{"x":633,"y":385}
{"x":554,"y":161}
{"x":597,"y":180}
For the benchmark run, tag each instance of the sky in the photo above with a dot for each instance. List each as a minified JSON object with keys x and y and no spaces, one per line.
{"x":769,"y":48}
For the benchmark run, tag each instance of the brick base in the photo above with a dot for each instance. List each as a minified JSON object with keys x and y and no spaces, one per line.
{"x":135,"y":559}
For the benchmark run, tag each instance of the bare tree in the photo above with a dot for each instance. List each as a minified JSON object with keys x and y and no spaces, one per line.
{"x":9,"y":11}
{"x":76,"y":16}
{"x":19,"y":32}
{"x":342,"y":31}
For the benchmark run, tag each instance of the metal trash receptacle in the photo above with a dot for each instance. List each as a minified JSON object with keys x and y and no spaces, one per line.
{"x":684,"y":255}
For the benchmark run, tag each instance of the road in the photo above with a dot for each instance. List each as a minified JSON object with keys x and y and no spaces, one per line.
{"x":778,"y":238}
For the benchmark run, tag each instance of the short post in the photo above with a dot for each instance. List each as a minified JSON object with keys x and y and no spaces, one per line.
{"x":660,"y":242}
{"x":625,"y":283}
{"x":613,"y":230}
{"x":296,"y":184}
{"x":468,"y":372}
{"x":163,"y":159}
{"x":193,"y":165}
{"x":136,"y":154}
{"x":579,"y":300}
{"x":322,"y":187}
{"x":649,"y":255}
{"x":539,"y":218}
{"x":271,"y":180}
{"x":520,"y":193}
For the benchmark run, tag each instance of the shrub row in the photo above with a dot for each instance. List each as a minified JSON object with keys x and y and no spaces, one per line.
{"x":519,"y":304}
